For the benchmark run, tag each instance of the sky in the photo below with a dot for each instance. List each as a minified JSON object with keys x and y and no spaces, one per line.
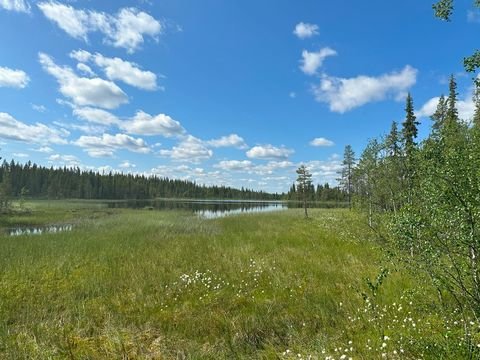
{"x":236,"y":93}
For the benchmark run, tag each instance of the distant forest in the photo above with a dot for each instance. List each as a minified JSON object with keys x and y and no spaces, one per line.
{"x":34,"y":181}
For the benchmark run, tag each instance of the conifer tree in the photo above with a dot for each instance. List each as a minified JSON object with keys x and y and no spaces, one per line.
{"x":452,"y":112}
{"x":409,"y":133}
{"x":304,"y":185}
{"x":439,"y":116}
{"x":410,"y":130}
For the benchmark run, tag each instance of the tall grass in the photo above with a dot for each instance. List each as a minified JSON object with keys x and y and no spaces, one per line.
{"x":168,"y":285}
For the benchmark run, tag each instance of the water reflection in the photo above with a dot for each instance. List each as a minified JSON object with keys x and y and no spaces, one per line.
{"x":212,"y":214}
{"x":38,"y":230}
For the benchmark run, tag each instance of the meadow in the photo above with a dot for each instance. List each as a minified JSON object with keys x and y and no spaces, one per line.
{"x":139,"y":284}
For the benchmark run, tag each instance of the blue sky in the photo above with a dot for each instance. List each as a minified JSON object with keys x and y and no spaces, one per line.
{"x":220,"y":92}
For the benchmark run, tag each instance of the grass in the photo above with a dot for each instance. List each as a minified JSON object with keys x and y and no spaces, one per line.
{"x":167,"y":285}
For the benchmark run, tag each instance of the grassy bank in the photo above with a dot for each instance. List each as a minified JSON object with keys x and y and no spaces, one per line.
{"x":167,"y":285}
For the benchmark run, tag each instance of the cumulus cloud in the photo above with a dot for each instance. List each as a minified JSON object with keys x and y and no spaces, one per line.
{"x":232,"y":140}
{"x":466,"y":108}
{"x":305,"y":30}
{"x":84,"y":91}
{"x":65,"y":160}
{"x":236,"y":165}
{"x":118,"y":69}
{"x":127,"y":165}
{"x":325,"y":171}
{"x":85,"y":69}
{"x":45,"y":149}
{"x":95,"y":115}
{"x":13,"y":129}
{"x":190,"y":149}
{"x":20,"y":155}
{"x":13,"y":78}
{"x":312,"y":61}
{"x":106,"y":145}
{"x":321,"y":142}
{"x":15,"y":5}
{"x":269,"y":152}
{"x":146,"y":124}
{"x":126,"y":29}
{"x":344,"y":94}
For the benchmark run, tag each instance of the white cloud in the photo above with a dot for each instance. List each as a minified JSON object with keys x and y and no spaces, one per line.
{"x":15,"y":5}
{"x":466,"y":108}
{"x":66,"y":160}
{"x":146,"y":124}
{"x":236,"y":165}
{"x":45,"y":149}
{"x":20,"y":155}
{"x":84,"y":91}
{"x":428,"y":108}
{"x":95,"y":115}
{"x":346,"y":94}
{"x":107,"y":145}
{"x":190,"y":149}
{"x":13,"y":78}
{"x":81,"y":56}
{"x":232,"y":140}
{"x":292,"y":94}
{"x":269,"y":152}
{"x":271,"y":167}
{"x":320,"y":142}
{"x":12,"y":129}
{"x":86,"y":128}
{"x":312,"y":61}
{"x":118,"y":69}
{"x":127,"y":165}
{"x":325,"y":171}
{"x":85,"y":69}
{"x":39,"y":108}
{"x":125,"y":30}
{"x":305,"y":30}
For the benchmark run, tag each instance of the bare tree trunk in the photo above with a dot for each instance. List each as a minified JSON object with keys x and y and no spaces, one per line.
{"x":305,"y":205}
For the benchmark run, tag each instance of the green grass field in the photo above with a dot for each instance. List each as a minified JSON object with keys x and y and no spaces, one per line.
{"x":137,"y":284}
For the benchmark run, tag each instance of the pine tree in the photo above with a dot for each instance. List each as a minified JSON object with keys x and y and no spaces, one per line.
{"x":304,"y":185}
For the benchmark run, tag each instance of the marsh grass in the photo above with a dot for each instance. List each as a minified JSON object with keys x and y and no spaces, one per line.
{"x":167,"y":285}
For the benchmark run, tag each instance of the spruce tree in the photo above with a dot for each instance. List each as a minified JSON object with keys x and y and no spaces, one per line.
{"x":452,"y":112}
{"x":410,"y":130}
{"x":409,"y":133}
{"x":439,"y":116}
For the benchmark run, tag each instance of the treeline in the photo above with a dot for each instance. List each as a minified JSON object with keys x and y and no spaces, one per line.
{"x":320,"y":193}
{"x":17,"y":180}
{"x":423,"y":199}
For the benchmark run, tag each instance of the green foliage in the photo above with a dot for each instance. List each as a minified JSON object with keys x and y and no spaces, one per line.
{"x":70,"y":183}
{"x":443,"y":9}
{"x":434,"y":230}
{"x":304,"y":185}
